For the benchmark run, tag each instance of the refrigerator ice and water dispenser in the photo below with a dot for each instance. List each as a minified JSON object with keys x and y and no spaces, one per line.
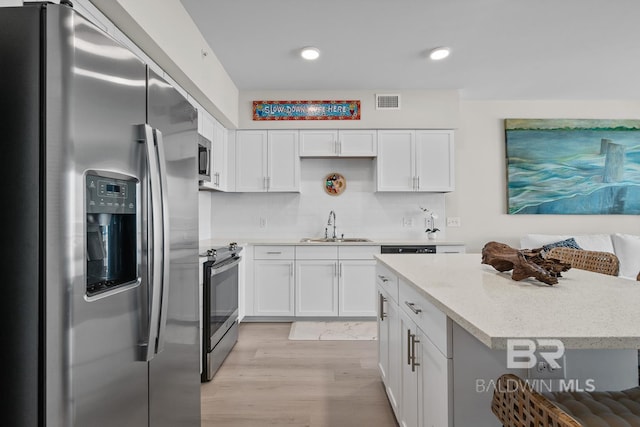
{"x":111,"y":233}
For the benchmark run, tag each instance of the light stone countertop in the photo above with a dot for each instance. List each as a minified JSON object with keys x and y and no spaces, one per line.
{"x":208,"y":243}
{"x":584,"y":310}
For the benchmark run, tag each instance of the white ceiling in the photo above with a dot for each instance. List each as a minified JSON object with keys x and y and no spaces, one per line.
{"x":501,"y":49}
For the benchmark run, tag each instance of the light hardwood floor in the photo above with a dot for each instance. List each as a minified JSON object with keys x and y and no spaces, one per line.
{"x":268,"y":380}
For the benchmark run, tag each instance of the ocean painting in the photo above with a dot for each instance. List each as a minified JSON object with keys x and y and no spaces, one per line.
{"x":573,"y":166}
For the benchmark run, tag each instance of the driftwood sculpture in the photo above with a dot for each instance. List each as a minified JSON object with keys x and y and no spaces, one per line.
{"x":524,"y":262}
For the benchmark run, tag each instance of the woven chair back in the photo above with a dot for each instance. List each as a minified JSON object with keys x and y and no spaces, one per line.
{"x":516,"y":404}
{"x":599,"y":262}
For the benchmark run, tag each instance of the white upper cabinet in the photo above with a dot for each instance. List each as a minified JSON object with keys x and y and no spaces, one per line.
{"x":217,"y":135}
{"x":338,"y":143}
{"x":283,"y":164}
{"x":219,"y":146}
{"x":267,"y":161}
{"x":318,"y":143}
{"x":251,"y":160}
{"x":434,"y":160}
{"x":396,"y":160}
{"x":415,"y":160}
{"x":205,"y":124}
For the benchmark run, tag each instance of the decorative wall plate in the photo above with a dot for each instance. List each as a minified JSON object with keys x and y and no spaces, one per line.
{"x":335,"y":184}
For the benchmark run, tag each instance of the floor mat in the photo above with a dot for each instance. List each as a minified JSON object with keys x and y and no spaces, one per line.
{"x":333,"y":331}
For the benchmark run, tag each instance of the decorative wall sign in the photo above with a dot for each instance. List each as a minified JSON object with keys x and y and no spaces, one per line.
{"x":306,"y":110}
{"x":335,"y":184}
{"x":573,"y":166}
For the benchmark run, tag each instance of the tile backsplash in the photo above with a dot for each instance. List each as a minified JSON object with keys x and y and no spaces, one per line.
{"x":360,"y":211}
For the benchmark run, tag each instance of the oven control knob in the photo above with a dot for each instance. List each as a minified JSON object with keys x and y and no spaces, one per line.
{"x":211,"y":252}
{"x":233,"y":246}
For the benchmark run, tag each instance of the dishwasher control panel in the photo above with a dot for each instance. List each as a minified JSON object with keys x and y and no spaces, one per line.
{"x":408,"y":249}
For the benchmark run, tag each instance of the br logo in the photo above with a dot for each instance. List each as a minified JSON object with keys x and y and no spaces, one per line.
{"x":524,"y":353}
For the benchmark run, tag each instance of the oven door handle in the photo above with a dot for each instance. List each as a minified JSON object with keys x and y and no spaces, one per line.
{"x":225,"y":267}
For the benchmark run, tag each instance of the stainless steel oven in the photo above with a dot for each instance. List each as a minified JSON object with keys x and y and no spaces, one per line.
{"x":220,"y":307}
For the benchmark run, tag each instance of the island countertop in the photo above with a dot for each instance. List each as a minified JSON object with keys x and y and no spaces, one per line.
{"x":585,"y":310}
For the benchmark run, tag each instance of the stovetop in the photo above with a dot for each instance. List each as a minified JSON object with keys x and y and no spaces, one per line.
{"x":221,"y":253}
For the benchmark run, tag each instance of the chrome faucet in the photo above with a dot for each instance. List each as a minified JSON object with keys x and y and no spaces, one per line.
{"x":334,"y":223}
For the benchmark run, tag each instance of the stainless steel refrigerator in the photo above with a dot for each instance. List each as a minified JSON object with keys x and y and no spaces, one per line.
{"x":99,"y":305}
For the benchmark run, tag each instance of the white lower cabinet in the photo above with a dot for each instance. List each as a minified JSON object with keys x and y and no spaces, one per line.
{"x":383,"y":333}
{"x":273,"y":281}
{"x":435,"y":382}
{"x":357,"y":292}
{"x":410,"y":363}
{"x":335,"y":281}
{"x":388,"y":343}
{"x":415,"y":365}
{"x":316,"y":288}
{"x":426,"y":397}
{"x":314,"y":281}
{"x":274,"y":288}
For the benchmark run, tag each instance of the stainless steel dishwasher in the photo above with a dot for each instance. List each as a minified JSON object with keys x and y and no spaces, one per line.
{"x":408,"y":249}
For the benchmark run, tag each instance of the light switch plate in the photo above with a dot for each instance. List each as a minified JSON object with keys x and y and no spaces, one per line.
{"x":453,"y":221}
{"x":542,"y":370}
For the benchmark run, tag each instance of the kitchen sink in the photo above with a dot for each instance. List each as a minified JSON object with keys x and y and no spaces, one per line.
{"x":336,"y":240}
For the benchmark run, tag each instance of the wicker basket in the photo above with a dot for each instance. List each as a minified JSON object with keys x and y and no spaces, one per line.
{"x":599,"y":262}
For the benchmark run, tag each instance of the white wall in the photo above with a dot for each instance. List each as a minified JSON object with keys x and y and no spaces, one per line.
{"x":169,"y":36}
{"x":480,"y":198}
{"x":360,"y":212}
{"x":419,"y":109}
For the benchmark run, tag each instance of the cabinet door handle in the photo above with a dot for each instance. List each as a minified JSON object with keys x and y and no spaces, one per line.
{"x":412,"y":306}
{"x":408,"y":346}
{"x":274,"y":253}
{"x":414,"y":340}
{"x":383,"y":279}
{"x":382,"y":301}
{"x":335,"y":147}
{"x":418,"y":182}
{"x":340,"y":147}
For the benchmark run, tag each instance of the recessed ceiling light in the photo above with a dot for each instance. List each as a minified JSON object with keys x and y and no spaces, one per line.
{"x":439,"y":53}
{"x":310,"y":53}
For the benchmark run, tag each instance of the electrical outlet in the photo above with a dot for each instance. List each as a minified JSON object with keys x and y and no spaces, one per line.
{"x":263,"y":222}
{"x":407,"y":222}
{"x":543,"y":370}
{"x":453,"y":221}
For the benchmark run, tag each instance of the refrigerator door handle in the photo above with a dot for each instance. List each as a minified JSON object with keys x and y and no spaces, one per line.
{"x":154,"y":240}
{"x":164,"y":201}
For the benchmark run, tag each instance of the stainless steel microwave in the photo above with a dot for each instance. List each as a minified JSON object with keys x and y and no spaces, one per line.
{"x":204,"y":159}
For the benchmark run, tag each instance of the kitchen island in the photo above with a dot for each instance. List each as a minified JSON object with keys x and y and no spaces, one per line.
{"x":446,"y":321}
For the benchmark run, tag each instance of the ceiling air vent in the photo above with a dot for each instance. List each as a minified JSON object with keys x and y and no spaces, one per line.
{"x":387,"y":102}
